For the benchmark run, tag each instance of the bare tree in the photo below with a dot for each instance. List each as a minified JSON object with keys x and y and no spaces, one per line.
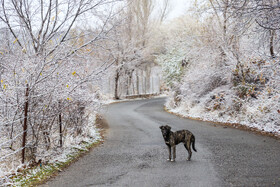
{"x":44,"y":46}
{"x":131,"y":36}
{"x":266,"y":15}
{"x":165,"y":9}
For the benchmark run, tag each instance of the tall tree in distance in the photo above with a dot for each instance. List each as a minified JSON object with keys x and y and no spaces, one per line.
{"x":131,"y":41}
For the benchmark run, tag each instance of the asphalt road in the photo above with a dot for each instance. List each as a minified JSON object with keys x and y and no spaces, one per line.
{"x":134,"y":153}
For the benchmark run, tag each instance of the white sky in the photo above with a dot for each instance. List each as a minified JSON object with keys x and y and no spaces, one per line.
{"x":178,"y":8}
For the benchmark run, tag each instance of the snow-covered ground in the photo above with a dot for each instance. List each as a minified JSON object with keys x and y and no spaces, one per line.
{"x":199,"y":113}
{"x":71,"y":144}
{"x":255,"y":102}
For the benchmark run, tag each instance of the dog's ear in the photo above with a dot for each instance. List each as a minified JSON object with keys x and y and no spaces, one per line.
{"x":161,"y":127}
{"x":167,"y":127}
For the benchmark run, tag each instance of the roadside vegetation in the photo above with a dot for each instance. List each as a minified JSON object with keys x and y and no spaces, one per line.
{"x":35,"y":175}
{"x":221,"y":63}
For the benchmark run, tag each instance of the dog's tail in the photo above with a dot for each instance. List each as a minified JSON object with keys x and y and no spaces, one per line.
{"x":193,"y":142}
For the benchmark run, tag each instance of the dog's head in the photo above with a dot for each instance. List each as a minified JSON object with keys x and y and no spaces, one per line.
{"x":165,"y":130}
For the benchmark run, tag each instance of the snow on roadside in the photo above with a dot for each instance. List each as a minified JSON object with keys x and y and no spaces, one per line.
{"x":71,"y":146}
{"x":90,"y":135}
{"x":261,"y":114}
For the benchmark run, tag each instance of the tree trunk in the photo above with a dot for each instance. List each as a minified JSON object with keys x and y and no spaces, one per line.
{"x":127,"y":85}
{"x":60,"y":130}
{"x":271,"y":43}
{"x":129,"y":88}
{"x":147,"y":80}
{"x":116,"y":84}
{"x":137,"y":83}
{"x":225,"y":38}
{"x":25,"y":124}
{"x":145,"y":85}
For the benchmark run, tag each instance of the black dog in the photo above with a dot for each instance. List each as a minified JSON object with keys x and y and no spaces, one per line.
{"x":173,"y":138}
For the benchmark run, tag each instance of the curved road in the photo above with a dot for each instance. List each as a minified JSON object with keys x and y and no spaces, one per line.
{"x":134,"y":153}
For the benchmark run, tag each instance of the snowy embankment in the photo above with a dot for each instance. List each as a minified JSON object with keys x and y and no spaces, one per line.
{"x":250,"y":98}
{"x":199,"y":113}
{"x":15,"y":174}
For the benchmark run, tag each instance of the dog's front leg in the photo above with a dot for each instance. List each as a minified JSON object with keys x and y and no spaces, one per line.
{"x":174,"y":153}
{"x":169,"y":151}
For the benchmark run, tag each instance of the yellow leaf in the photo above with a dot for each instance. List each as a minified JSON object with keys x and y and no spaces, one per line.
{"x":67,"y":85}
{"x":15,"y":40}
{"x":1,"y":53}
{"x":22,"y":70}
{"x":53,"y":18}
{"x":68,"y":99}
{"x":4,"y":86}
{"x":2,"y":81}
{"x":41,"y":74}
{"x":74,"y":73}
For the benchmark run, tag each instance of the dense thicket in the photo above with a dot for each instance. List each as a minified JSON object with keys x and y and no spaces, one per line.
{"x":221,"y":62}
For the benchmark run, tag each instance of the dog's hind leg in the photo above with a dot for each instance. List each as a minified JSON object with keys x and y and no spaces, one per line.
{"x":174,"y":153}
{"x":188,"y":147}
{"x":189,"y":151}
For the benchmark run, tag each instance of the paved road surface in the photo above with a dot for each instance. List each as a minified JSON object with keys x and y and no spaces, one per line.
{"x":134,"y":153}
